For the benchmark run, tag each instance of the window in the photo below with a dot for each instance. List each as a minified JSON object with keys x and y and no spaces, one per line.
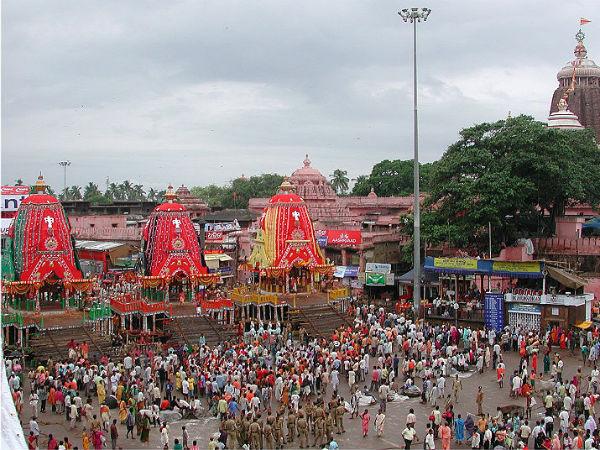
{"x":115,"y":225}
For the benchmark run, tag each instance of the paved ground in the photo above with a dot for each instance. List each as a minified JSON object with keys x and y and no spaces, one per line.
{"x":395,"y":420}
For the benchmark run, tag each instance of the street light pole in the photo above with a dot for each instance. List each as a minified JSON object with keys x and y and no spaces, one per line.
{"x":64,"y":165}
{"x":413,"y":16}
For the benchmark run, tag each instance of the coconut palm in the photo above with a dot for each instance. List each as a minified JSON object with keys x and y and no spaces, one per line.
{"x":138,"y":192}
{"x":75,"y":193}
{"x":126,"y":190}
{"x":339,"y":181}
{"x":90,"y":191}
{"x":114,"y":192}
{"x":152,"y":195}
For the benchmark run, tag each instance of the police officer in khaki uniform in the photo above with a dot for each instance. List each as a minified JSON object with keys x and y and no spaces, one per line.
{"x":278,"y":431}
{"x":319,"y":428}
{"x":267,"y":432}
{"x":291,"y":426}
{"x":339,"y":417}
{"x":255,"y":435}
{"x":329,"y":423}
{"x":231,"y":429}
{"x":310,"y":416}
{"x":302,"y":430}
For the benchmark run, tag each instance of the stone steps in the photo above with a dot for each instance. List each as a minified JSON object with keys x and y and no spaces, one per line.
{"x":187,"y":330}
{"x":53,"y":343}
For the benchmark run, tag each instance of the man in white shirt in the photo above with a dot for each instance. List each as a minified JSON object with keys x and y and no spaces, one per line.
{"x":564,"y":420}
{"x":590,"y":424}
{"x":409,"y":434}
{"x":185,"y":388}
{"x":516,"y":386}
{"x":429,"y":440}
{"x":525,"y":432}
{"x":411,"y":419}
{"x":567,"y":403}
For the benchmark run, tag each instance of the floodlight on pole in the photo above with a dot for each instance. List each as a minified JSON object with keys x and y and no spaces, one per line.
{"x":414,"y":15}
{"x":64,"y":165}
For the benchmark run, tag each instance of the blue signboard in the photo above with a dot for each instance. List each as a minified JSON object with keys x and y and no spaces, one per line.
{"x":493,"y":310}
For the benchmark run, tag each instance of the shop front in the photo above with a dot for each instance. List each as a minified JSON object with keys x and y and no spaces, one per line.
{"x":538,"y":312}
{"x":524,"y":316}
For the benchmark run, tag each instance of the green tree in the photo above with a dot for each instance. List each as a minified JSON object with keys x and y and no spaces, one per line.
{"x":138,"y":192}
{"x":126,"y":188}
{"x":152,"y":195}
{"x":92,"y":194}
{"x":516,"y":174}
{"x":339,"y":181}
{"x":75,"y":193}
{"x":362,"y":186}
{"x":239,"y":191}
{"x":212,"y":194}
{"x":114,"y":192}
{"x":393,"y":178}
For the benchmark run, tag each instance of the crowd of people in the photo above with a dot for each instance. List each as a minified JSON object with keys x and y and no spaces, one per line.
{"x":272,"y":389}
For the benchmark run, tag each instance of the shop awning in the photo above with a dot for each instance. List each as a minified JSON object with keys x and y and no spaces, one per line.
{"x":426,"y":276}
{"x":217,"y":257}
{"x":565,"y":278}
{"x":474,"y":266}
{"x":584,"y":325}
{"x":592,"y":224}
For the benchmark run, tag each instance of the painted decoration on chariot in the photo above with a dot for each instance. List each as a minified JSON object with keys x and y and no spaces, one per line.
{"x":39,"y":244}
{"x":170,"y":242}
{"x":286,"y":237}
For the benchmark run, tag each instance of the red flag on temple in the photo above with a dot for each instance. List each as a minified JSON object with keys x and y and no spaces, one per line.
{"x":583,"y":21}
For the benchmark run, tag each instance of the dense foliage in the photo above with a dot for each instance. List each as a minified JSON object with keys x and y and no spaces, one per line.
{"x":516,"y":174}
{"x":392,"y":178}
{"x":239,"y":191}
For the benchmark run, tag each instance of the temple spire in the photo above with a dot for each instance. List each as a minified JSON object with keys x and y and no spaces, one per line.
{"x":40,"y":185}
{"x":170,"y":195}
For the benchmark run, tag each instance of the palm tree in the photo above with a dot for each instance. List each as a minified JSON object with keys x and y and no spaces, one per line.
{"x":75,"y":192}
{"x":339,"y":181}
{"x":152,"y":194}
{"x":126,"y":190}
{"x":90,"y":191}
{"x":138,"y":191}
{"x":114,"y":192}
{"x":65,"y":194}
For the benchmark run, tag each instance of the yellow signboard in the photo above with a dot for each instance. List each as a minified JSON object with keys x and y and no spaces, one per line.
{"x":455,"y":263}
{"x":516,"y":266}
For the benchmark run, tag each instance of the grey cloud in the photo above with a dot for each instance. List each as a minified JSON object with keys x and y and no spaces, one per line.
{"x":202,"y":91}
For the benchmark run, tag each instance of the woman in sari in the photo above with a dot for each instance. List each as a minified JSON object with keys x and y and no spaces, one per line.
{"x":85,"y":440}
{"x":97,"y":439}
{"x":122,"y":411}
{"x":563,"y":341}
{"x":52,"y":399}
{"x":145,"y":436}
{"x":546,"y":362}
{"x":365,"y":419}
{"x":119,"y":391}
{"x":101,"y":392}
{"x":139,"y":422}
{"x":285,"y":396}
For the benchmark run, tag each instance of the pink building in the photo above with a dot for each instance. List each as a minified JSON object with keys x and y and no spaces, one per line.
{"x":378,"y":218}
{"x":113,"y":227}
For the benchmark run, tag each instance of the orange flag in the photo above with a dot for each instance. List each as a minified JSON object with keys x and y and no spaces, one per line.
{"x":583,"y":21}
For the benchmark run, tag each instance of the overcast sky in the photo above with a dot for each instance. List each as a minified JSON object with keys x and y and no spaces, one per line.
{"x":200,"y":92}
